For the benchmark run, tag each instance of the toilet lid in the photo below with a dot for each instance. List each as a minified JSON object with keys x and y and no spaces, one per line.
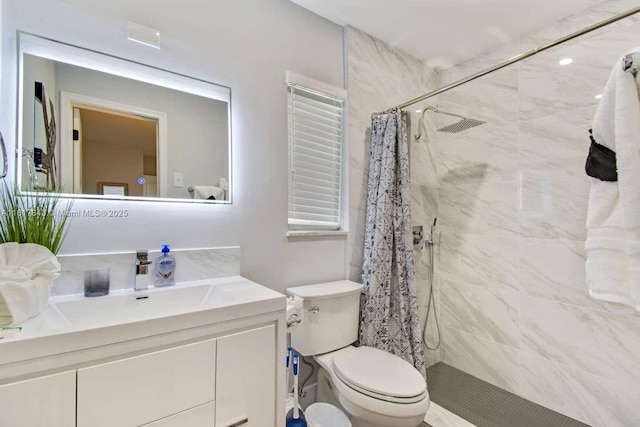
{"x":380,"y":374}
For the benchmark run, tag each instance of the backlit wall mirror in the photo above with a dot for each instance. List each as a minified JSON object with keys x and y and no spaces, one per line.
{"x":96,"y":126}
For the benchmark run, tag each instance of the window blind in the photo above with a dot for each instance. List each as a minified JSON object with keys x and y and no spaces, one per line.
{"x":315,"y":158}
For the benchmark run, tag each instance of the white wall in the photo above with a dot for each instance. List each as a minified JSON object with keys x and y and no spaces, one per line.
{"x":246,"y":45}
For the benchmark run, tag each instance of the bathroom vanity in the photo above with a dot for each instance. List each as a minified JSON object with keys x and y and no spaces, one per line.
{"x":204,"y":353}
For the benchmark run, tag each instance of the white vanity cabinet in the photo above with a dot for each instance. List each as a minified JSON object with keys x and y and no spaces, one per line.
{"x":48,"y":401}
{"x":220,"y":364}
{"x":246,"y":380}
{"x":201,"y":416}
{"x":138,"y":390}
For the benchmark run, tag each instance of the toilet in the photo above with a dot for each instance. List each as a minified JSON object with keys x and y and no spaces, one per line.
{"x":373,"y":387}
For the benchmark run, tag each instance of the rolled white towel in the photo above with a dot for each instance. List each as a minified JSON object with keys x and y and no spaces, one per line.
{"x":22,"y":261}
{"x":27,"y":271}
{"x":15,"y":273}
{"x":27,"y":299}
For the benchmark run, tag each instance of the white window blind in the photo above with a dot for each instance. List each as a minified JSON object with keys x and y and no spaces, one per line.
{"x":316,"y":128}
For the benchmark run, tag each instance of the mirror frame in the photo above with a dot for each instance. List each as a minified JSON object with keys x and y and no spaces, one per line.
{"x":54,"y":50}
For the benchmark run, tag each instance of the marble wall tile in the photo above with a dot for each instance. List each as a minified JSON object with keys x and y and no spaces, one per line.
{"x":422,"y":259}
{"x":489,"y":151}
{"x":493,"y":98}
{"x":486,"y":313}
{"x":432,"y":331}
{"x":558,"y":144}
{"x":553,"y":207}
{"x":494,"y":363}
{"x":423,"y":155}
{"x":380,"y":77}
{"x":578,"y":21}
{"x":424,"y":205}
{"x":191,"y":264}
{"x":481,"y":63}
{"x":469,"y":157}
{"x":602,"y":343}
{"x":584,"y":395}
{"x":548,"y":88}
{"x":479,"y":208}
{"x":554,"y":269}
{"x":545,"y":91}
{"x":71,"y":279}
{"x":573,"y":355}
{"x":488,"y":261}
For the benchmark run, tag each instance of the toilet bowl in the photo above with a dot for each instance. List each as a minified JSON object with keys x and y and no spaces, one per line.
{"x":374,"y":388}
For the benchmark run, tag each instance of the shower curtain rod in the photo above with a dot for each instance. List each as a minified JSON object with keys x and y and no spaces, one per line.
{"x":518,"y":58}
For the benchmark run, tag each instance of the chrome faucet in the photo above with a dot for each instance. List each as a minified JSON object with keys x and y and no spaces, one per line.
{"x":142,"y":270}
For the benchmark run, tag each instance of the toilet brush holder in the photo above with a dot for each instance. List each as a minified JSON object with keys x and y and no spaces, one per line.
{"x":301,"y":421}
{"x":296,"y":419}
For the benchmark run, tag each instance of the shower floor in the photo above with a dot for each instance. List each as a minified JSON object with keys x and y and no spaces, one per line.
{"x":486,"y":405}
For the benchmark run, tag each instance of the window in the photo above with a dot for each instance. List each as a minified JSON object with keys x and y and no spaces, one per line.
{"x":316,"y":135}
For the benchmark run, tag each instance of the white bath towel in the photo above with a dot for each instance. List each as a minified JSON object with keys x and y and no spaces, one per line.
{"x":206,"y":191}
{"x":613,"y":217}
{"x":26,"y":299}
{"x":26,"y":276}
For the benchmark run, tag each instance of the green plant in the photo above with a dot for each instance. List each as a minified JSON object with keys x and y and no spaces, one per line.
{"x":33,"y":217}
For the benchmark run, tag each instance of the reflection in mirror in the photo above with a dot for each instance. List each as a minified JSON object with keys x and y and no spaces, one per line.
{"x":92,"y":125}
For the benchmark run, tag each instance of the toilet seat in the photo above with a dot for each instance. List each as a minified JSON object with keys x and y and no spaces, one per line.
{"x":380,"y":375}
{"x":376,"y":409}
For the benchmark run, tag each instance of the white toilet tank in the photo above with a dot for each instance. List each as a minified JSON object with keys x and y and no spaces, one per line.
{"x":330,"y":316}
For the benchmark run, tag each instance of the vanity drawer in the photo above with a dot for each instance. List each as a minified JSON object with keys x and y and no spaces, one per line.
{"x":40,"y":402}
{"x":201,"y":416}
{"x":146,"y":388}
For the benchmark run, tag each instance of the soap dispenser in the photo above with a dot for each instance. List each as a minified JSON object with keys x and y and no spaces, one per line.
{"x":165,"y":267}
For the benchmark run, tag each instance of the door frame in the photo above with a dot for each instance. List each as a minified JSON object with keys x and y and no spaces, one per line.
{"x":69,"y":100}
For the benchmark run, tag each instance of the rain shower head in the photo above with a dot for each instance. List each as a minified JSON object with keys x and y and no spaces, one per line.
{"x":459,"y":126}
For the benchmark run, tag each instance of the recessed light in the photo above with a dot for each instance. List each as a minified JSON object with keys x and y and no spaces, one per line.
{"x":418,"y":111}
{"x":565,"y":61}
{"x":598,"y":96}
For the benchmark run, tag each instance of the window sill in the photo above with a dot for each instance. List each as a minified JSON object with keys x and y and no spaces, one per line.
{"x":316,"y":233}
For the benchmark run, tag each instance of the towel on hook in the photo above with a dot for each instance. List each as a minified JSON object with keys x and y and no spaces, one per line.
{"x":613,"y":215}
{"x":206,"y":192}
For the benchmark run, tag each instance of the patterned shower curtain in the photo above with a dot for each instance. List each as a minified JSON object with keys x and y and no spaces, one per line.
{"x":389,"y":317}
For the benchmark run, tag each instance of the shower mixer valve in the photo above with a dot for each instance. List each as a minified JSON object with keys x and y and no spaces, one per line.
{"x":418,"y":235}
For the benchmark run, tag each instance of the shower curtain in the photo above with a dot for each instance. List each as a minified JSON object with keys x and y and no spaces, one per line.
{"x":389,"y":317}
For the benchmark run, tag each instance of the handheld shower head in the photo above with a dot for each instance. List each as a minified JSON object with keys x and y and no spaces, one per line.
{"x":459,"y":126}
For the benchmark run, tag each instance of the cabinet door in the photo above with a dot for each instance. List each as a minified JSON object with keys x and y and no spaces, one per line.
{"x":201,"y":416}
{"x":138,"y":390}
{"x":40,"y":402}
{"x":246,"y":382}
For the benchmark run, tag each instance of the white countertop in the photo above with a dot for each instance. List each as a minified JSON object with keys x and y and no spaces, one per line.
{"x":74,"y":323}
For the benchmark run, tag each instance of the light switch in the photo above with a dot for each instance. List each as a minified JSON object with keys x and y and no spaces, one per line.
{"x":178,"y":180}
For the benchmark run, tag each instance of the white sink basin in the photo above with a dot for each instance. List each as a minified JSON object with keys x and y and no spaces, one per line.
{"x":125,"y":306}
{"x":68,"y":323}
{"x":130,"y":306}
